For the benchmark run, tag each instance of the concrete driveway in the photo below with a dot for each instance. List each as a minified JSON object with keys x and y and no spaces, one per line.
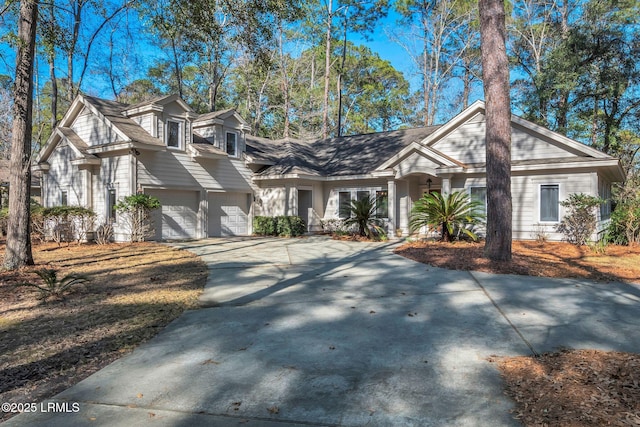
{"x":320,"y":332}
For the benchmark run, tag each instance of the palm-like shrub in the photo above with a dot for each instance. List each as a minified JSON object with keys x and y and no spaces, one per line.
{"x":54,"y":287}
{"x":455,"y":213}
{"x":362,"y":213}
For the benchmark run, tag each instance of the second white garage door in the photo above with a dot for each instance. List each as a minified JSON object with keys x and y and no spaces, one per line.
{"x":229,"y":214}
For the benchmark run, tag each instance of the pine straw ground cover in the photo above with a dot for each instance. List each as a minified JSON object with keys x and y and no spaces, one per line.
{"x":571,"y":387}
{"x":135,"y":290}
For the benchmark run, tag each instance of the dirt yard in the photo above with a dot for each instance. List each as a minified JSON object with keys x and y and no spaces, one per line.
{"x":570,"y":388}
{"x":135,"y":290}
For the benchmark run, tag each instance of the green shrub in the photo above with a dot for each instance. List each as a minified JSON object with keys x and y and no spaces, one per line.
{"x":284,"y":226}
{"x":580,"y":221}
{"x":624,"y":228}
{"x":63,"y":223}
{"x":289,"y":226}
{"x":136,"y":213}
{"x":37,"y":226}
{"x":264,"y":225}
{"x":4,"y":217}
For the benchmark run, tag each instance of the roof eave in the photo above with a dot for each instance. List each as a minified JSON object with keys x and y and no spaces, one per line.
{"x":375,"y":175}
{"x":613,"y":164}
{"x":124,"y":145}
{"x":86,"y":161}
{"x":194,"y":153}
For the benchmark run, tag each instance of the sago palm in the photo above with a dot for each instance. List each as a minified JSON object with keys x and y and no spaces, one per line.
{"x":362,"y":213}
{"x":454,"y":213}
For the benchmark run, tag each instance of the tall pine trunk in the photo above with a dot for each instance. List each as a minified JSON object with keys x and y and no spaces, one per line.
{"x":327,"y":72}
{"x":495,"y":75}
{"x":18,"y":249}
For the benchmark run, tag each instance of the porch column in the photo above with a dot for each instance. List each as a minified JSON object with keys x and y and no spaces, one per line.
{"x":391,"y":197}
{"x":202,"y":215}
{"x":446,"y":185}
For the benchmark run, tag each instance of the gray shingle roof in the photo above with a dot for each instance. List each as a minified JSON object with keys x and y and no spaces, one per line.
{"x":112,"y":110}
{"x":213,"y":115}
{"x":347,"y":155}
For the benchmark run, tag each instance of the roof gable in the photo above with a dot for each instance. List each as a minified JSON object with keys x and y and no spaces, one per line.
{"x":463,"y":138}
{"x":418,"y":155}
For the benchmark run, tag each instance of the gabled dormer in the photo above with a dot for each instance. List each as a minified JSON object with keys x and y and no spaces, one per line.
{"x":167,"y":118}
{"x":223,"y":130}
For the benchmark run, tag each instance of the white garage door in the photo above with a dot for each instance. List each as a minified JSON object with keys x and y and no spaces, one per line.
{"x":228,"y":214}
{"x":178,"y":216}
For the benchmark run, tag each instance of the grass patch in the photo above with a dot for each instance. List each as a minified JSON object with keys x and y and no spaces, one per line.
{"x":135,"y":290}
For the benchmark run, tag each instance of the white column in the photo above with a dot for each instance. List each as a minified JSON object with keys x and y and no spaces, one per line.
{"x":446,"y":185}
{"x":391,"y":190}
{"x":203,"y":215}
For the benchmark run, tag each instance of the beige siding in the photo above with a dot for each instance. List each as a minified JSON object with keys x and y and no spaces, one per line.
{"x":272,"y":201}
{"x":112,"y":172}
{"x":416,"y":163}
{"x":177,"y":169}
{"x":63,"y":176}
{"x":209,"y":133}
{"x":145,"y":121}
{"x":93,"y":130}
{"x":526,"y":146}
{"x":466,"y":144}
{"x":526,"y":201}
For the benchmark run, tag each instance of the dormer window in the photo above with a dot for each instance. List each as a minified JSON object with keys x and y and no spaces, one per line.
{"x":174,"y":134}
{"x":232,"y":144}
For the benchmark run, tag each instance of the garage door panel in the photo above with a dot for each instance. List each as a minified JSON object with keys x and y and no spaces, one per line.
{"x":228,"y":214}
{"x":177,"y":217}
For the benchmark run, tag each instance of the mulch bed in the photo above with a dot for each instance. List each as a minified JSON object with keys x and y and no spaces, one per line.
{"x":530,"y":258}
{"x":574,"y":388}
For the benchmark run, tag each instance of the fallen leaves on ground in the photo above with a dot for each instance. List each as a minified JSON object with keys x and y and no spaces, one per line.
{"x":532,"y":258}
{"x":135,"y":290}
{"x":574,"y":388}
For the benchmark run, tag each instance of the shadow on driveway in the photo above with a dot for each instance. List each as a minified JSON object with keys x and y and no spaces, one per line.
{"x":319,"y":332}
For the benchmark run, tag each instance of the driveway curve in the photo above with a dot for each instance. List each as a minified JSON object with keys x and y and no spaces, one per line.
{"x":319,"y":332}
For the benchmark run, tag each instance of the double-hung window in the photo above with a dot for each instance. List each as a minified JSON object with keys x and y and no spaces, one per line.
{"x":549,"y":203}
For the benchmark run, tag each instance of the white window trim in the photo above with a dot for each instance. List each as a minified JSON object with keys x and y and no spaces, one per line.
{"x":181,"y":125}
{"x":237,"y":154}
{"x":539,"y":207}
{"x":354,"y":196}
